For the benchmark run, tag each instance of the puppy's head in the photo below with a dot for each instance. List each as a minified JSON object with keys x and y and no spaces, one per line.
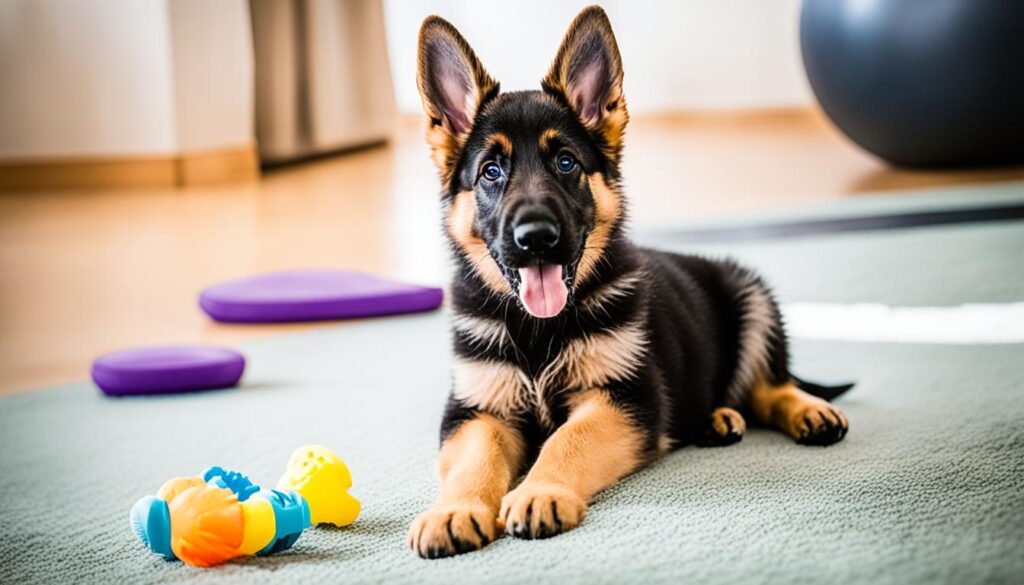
{"x":530,"y":178}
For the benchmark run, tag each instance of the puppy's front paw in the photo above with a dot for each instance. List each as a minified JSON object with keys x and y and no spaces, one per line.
{"x":819,"y":424}
{"x":451,"y":529}
{"x":541,"y":510}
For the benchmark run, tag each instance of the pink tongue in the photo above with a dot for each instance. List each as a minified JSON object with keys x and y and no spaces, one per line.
{"x":543,"y":291}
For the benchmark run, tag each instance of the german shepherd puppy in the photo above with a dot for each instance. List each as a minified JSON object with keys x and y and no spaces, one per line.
{"x":579,"y":357}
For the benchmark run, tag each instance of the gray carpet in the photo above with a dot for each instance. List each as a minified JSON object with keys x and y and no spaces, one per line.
{"x":927,"y":487}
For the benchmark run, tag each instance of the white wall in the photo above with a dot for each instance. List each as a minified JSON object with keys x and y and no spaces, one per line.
{"x":214,"y":89}
{"x":85,"y":78}
{"x":114,"y":78}
{"x":677,"y":54}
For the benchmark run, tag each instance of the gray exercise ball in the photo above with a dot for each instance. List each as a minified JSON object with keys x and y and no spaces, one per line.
{"x":921,"y":83}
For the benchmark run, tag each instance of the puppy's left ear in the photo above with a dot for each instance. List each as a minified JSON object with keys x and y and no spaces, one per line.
{"x":587,"y":74}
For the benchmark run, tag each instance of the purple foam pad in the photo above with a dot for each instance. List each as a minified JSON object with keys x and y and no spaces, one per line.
{"x":314,"y":295}
{"x":164,"y":370}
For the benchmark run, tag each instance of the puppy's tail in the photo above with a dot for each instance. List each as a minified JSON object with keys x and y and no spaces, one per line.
{"x":828,"y":393}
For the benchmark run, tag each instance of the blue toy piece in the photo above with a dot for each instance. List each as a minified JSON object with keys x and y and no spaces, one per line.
{"x":151,"y":521}
{"x":238,"y":483}
{"x":292,"y":515}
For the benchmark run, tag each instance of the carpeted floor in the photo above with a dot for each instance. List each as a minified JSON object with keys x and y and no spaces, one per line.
{"x":927,"y":487}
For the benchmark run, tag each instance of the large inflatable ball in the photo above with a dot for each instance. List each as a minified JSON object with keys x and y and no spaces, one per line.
{"x":921,"y":83}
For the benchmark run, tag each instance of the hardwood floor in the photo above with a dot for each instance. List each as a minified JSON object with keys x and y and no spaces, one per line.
{"x":83,"y":272}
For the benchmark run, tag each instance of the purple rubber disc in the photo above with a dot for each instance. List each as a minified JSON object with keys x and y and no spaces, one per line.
{"x":165,"y":370}
{"x":314,"y":295}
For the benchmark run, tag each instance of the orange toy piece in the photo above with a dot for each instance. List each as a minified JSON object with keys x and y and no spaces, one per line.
{"x":207,"y":520}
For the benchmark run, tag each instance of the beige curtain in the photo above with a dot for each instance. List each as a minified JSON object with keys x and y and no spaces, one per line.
{"x":322,"y":76}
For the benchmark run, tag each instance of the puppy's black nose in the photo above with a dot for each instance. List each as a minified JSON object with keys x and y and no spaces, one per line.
{"x":536,"y":236}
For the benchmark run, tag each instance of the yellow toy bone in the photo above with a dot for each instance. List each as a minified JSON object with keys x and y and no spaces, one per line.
{"x":320,"y":476}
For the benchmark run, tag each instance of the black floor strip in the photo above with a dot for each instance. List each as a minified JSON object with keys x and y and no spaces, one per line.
{"x":847,"y":224}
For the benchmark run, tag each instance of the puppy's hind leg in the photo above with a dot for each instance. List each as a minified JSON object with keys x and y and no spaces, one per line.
{"x":762,"y":381}
{"x":806,"y":418}
{"x":725,"y":427}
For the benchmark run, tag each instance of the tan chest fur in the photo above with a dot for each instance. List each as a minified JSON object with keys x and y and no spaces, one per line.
{"x":584,"y":363}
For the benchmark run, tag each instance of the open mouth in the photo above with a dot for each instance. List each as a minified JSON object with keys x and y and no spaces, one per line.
{"x":543,"y":290}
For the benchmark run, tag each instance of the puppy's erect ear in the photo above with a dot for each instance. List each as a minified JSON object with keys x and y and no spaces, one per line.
{"x":453,"y":85}
{"x":587,"y":73}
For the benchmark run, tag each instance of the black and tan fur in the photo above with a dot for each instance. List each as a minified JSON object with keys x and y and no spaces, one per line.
{"x":653,"y":351}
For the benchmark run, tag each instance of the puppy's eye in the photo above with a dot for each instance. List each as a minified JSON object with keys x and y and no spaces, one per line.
{"x":565,"y":163}
{"x":491,"y":172}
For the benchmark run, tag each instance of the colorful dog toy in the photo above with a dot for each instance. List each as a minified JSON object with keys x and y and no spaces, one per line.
{"x":213,"y":518}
